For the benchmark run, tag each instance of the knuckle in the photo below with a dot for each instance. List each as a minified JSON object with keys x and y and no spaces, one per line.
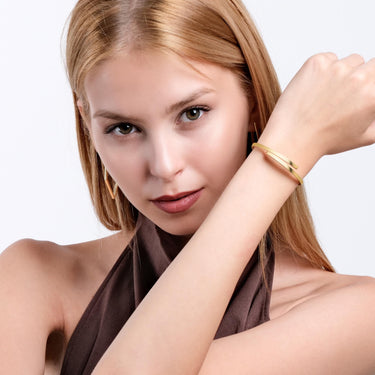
{"x":358,"y":78}
{"x":331,"y":56}
{"x":320,"y":61}
{"x":340,"y":68}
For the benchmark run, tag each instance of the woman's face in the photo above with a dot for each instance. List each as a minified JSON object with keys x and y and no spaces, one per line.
{"x":171,"y":134}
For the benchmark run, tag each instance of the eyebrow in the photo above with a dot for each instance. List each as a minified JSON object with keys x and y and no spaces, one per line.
{"x":114,"y":116}
{"x":172,"y":108}
{"x":194,"y":96}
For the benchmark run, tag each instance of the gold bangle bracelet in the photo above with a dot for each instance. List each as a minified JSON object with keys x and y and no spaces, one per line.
{"x":282,"y":160}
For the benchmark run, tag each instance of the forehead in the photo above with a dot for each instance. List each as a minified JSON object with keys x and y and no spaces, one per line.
{"x":153,"y":78}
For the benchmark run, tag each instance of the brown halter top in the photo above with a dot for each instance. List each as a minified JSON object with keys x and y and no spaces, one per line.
{"x":139,"y":266}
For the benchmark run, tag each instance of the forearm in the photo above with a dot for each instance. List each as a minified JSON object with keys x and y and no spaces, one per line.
{"x":172,"y":329}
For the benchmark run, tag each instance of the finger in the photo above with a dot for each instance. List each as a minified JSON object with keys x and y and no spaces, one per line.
{"x":368,"y":69}
{"x":330,"y":55}
{"x":353,"y":60}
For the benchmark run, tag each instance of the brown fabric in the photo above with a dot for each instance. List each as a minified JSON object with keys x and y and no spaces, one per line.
{"x":135,"y":272}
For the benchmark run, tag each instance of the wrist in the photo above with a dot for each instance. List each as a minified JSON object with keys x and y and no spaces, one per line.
{"x":296,"y":146}
{"x":281,"y":161}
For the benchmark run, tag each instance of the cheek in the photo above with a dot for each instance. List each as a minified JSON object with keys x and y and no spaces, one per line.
{"x":123,"y":164}
{"x":128,"y":171}
{"x":225,"y":147}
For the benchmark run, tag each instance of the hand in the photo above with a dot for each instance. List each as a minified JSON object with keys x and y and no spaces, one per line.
{"x":328,"y":107}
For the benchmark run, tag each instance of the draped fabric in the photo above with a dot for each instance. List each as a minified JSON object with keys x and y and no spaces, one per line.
{"x":137,"y":269}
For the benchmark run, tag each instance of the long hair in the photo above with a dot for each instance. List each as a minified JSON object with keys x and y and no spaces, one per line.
{"x":214,"y":31}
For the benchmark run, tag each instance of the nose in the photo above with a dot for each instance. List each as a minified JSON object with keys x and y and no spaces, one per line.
{"x":165,"y":157}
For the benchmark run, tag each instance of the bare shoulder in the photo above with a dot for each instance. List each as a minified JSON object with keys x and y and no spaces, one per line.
{"x":31,"y":308}
{"x":321,"y":323}
{"x":336,"y":326}
{"x":50,"y":264}
{"x":345,"y":295}
{"x":296,"y":282}
{"x":44,"y":289}
{"x":28,"y":264}
{"x":33,"y":274}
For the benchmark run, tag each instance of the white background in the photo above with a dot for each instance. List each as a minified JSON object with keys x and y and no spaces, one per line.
{"x":42,"y":190}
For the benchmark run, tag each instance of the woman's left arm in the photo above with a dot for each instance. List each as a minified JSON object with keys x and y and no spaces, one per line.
{"x":172,"y":329}
{"x":328,"y":107}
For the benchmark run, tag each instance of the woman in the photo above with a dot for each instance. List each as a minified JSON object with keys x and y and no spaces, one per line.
{"x":169,"y":99}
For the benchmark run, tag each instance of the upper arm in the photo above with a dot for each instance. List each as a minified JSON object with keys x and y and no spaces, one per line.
{"x":27,"y":314}
{"x":329,"y":334}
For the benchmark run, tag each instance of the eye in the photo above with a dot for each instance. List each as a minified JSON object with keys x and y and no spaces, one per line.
{"x":122,"y":128}
{"x":193,"y":114}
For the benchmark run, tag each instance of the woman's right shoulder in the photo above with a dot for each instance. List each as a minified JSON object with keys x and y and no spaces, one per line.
{"x":47,"y":262}
{"x":44,"y":288}
{"x":58,"y":274}
{"x":27,"y":264}
{"x":30,"y":273}
{"x":33,"y":274}
{"x":26,"y":254}
{"x":34,"y":265}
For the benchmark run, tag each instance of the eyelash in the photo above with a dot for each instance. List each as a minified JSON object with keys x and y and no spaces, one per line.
{"x":112,"y":128}
{"x":201,"y":108}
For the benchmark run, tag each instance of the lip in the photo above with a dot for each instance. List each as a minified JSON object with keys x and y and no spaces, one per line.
{"x":180,"y":202}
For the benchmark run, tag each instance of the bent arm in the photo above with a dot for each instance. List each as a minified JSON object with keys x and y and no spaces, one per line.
{"x":175,"y":324}
{"x":173,"y":328}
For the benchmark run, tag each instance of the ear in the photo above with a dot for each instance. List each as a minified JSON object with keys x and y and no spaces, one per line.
{"x":83,"y":113}
{"x":80,"y":108}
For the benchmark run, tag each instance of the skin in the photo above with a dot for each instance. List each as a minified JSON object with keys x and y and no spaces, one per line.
{"x":155,"y":151}
{"x":306,"y":303}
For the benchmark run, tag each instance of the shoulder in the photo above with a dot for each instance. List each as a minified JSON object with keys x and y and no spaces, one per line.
{"x":321,"y":323}
{"x":299,"y":288}
{"x":29,"y":272}
{"x":336,"y":325}
{"x":44,"y":288}
{"x":344,"y":294}
{"x":351,"y":296}
{"x":330,"y":332}
{"x":31,"y":307}
{"x":28,"y":259}
{"x":57,"y":276}
{"x":328,"y":297}
{"x":296,"y":282}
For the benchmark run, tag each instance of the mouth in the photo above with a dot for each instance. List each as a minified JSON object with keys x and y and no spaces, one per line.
{"x":180,"y":202}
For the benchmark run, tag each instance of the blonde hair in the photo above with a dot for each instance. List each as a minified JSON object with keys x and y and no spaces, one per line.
{"x":215,"y":31}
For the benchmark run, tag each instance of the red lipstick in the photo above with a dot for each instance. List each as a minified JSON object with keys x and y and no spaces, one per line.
{"x":180,"y":202}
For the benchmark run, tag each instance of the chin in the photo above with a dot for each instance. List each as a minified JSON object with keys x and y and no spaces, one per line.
{"x":180,"y":225}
